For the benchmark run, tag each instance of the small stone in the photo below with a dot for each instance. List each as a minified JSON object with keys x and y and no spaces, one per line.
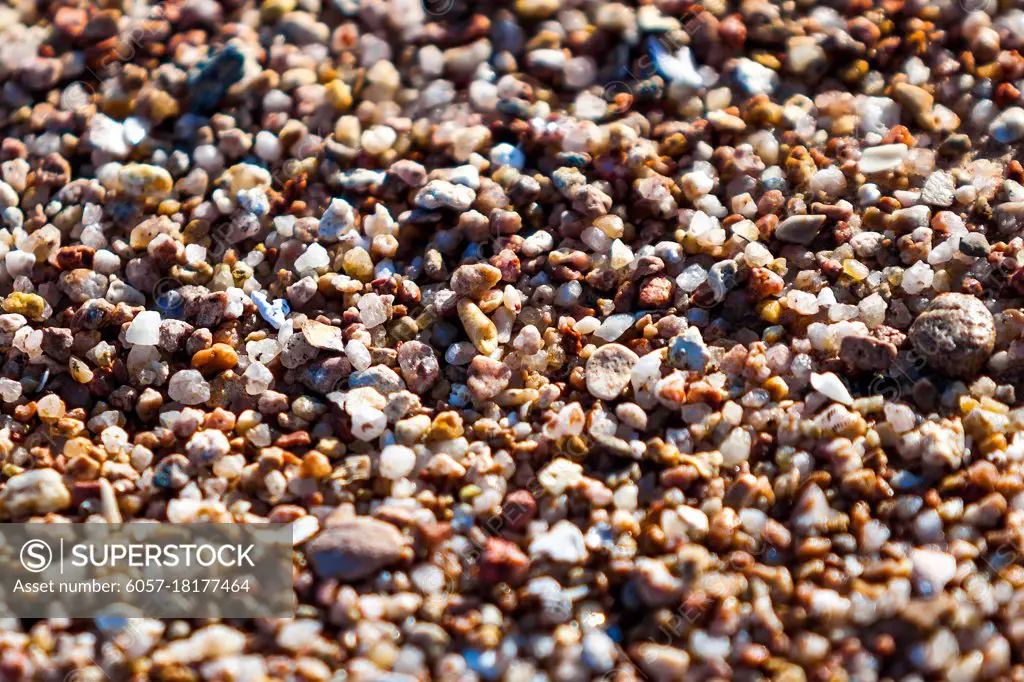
{"x":314,"y":258}
{"x":677,"y":67}
{"x":214,"y":77}
{"x":215,"y":359}
{"x":939,"y":189}
{"x":614,"y":326}
{"x":1008,"y":126}
{"x":419,"y":366}
{"x":108,"y":136}
{"x":207,"y":446}
{"x":665,"y":663}
{"x":955,"y":334}
{"x":479,"y":328}
{"x":690,"y":279}
{"x":358,"y":354}
{"x":918,"y":102}
{"x":564,"y":543}
{"x":867,"y":353}
{"x":657,"y":291}
{"x":39,"y":491}
{"x":140,"y":180}
{"x":755,"y":78}
{"x":397,"y":461}
{"x":537,"y":9}
{"x":355,"y":549}
{"x":474,"y":280}
{"x":357,"y":263}
{"x":829,"y":385}
{"x":487,"y":377}
{"x":608,"y":370}
{"x":338,"y":219}
{"x":173,"y":334}
{"x":32,"y":306}
{"x":805,"y":56}
{"x":688,"y":351}
{"x":323,"y":336}
{"x":383,"y":379}
{"x":800,"y":229}
{"x":917,"y":278}
{"x":933,"y":570}
{"x":188,"y":387}
{"x":144,"y":329}
{"x":275,"y":313}
{"x":303,"y":528}
{"x":378,"y":139}
{"x":83,"y":284}
{"x":762,"y":283}
{"x":257,"y":378}
{"x":372,"y":311}
{"x":519,"y":509}
{"x":10,"y":390}
{"x":883,"y":158}
{"x":442,"y":194}
{"x":503,"y":562}
{"x":368,"y":423}
{"x":974,"y":244}
{"x":504,"y":154}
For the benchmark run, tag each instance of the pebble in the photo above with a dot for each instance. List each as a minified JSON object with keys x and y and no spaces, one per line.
{"x":918,"y":101}
{"x":800,"y":229}
{"x":441,"y":194}
{"x":1008,"y":126}
{"x":609,"y":369}
{"x":188,"y":388}
{"x":368,"y":423}
{"x":383,"y":379}
{"x":678,"y":67}
{"x":372,"y":311}
{"x":144,"y":329}
{"x":419,"y":366}
{"x":338,"y":219}
{"x":564,"y":543}
{"x":39,"y":491}
{"x":829,"y":385}
{"x":487,"y":378}
{"x":397,"y":461}
{"x":867,"y":353}
{"x":109,"y":136}
{"x":939,"y":189}
{"x":614,"y":326}
{"x":354,"y":549}
{"x":323,"y":336}
{"x":755,"y":78}
{"x":140,"y":180}
{"x":474,"y":280}
{"x":274,"y":312}
{"x":933,"y":569}
{"x":688,"y":351}
{"x":955,"y":334}
{"x":479,"y":328}
{"x":314,"y":258}
{"x":883,"y":158}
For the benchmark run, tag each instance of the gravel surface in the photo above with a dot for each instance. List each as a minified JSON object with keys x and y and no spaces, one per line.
{"x":578,"y":340}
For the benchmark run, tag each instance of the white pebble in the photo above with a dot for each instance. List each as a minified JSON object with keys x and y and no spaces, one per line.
{"x":397,"y":461}
{"x":830,"y":386}
{"x":358,"y":354}
{"x":144,"y":329}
